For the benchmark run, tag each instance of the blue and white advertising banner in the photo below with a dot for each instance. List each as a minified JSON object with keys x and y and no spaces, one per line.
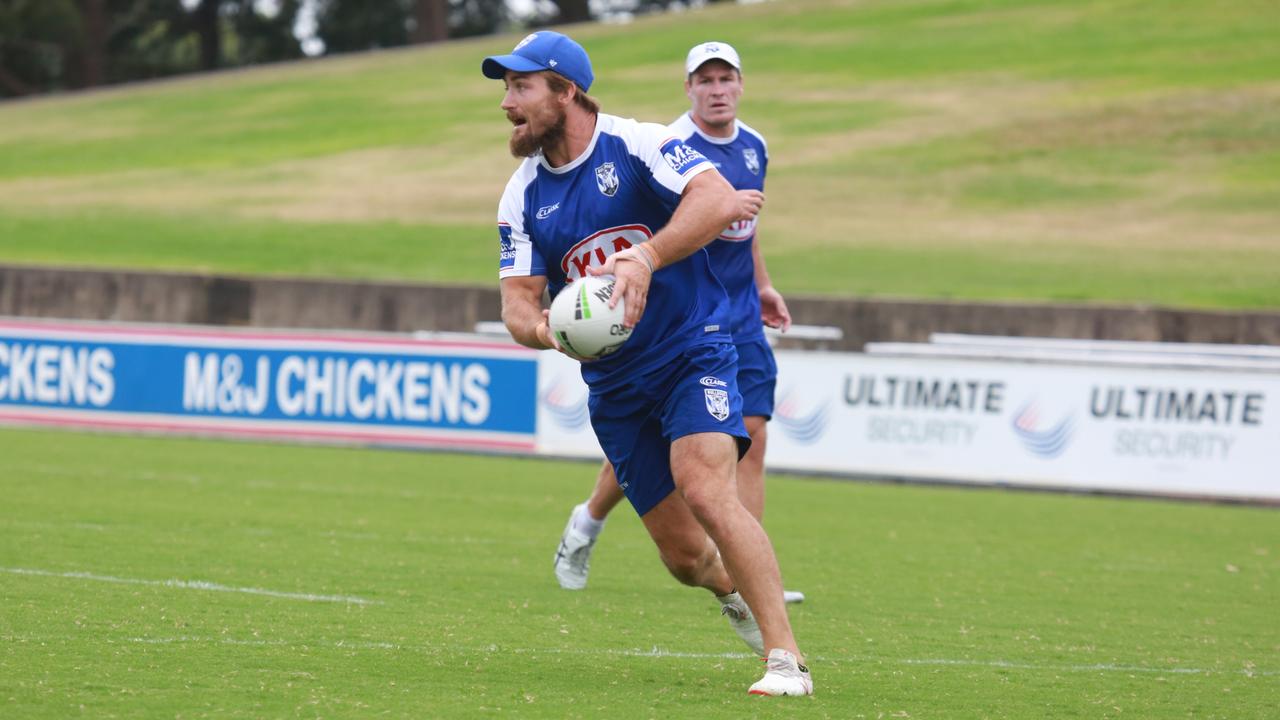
{"x":564,"y":424}
{"x":1148,"y":430}
{"x":1144,"y":430}
{"x":381,"y":389}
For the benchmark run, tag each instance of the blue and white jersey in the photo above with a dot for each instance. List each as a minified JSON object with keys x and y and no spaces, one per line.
{"x":742,"y":159}
{"x":623,"y":189}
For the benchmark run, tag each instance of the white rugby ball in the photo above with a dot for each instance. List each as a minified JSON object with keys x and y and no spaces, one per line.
{"x":582,"y":321}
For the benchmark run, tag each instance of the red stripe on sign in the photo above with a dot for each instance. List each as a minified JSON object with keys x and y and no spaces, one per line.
{"x":237,"y":335}
{"x":440,"y":441}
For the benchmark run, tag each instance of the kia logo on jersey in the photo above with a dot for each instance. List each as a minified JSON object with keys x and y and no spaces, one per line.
{"x":739,"y":231}
{"x":594,"y":250}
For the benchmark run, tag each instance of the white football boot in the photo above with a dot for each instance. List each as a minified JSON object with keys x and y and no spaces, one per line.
{"x":742,"y":621}
{"x":792,"y":596}
{"x":784,"y":675}
{"x":573,"y":557}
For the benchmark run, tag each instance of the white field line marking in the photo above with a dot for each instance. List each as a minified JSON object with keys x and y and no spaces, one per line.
{"x":194,"y":585}
{"x":658,"y":653}
{"x":434,"y":540}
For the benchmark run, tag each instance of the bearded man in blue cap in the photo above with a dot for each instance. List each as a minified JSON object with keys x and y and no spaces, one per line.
{"x":598,"y":194}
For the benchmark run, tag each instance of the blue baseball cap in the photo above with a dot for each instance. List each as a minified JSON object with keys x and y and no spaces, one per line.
{"x":544,"y":50}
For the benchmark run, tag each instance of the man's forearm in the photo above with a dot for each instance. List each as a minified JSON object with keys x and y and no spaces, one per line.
{"x":522,"y":314}
{"x":523,"y":326}
{"x":703,"y":213}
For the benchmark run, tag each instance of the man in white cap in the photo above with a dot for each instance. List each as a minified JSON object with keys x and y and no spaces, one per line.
{"x":596,"y":194}
{"x":713,"y":83}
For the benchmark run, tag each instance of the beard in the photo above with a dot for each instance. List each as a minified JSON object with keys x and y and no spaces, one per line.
{"x":528,"y":143}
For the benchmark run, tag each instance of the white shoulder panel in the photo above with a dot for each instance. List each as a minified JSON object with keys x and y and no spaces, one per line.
{"x":516,"y":253}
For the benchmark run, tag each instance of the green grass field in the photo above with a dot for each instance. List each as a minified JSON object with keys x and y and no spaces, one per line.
{"x":146,"y":577}
{"x":1094,"y":150}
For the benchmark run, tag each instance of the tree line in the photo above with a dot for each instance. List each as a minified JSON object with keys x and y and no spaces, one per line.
{"x":52,"y":45}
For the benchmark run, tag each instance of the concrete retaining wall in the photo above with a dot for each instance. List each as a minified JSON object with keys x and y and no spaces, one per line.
{"x":129,"y":296}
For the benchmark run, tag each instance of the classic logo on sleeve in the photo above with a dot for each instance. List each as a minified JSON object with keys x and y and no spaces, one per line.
{"x":506,"y":249}
{"x":679,"y":156}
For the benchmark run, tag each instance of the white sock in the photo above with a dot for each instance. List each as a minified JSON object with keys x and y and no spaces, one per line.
{"x":584,"y":523}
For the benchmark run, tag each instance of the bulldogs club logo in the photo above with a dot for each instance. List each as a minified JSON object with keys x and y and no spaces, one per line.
{"x":717,"y":403}
{"x":607,"y":179}
{"x":752,"y":160}
{"x":1046,"y":442}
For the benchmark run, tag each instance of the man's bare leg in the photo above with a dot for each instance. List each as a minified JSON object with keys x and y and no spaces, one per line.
{"x":573,"y":555}
{"x":751,"y":468}
{"x":685,"y":547}
{"x":606,"y":495}
{"x":751,"y":480}
{"x":691,"y":556}
{"x":704,"y":465}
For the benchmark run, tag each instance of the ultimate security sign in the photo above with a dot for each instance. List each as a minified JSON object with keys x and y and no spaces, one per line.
{"x":1142,"y":430}
{"x":1146,"y":430}
{"x":368,"y":389}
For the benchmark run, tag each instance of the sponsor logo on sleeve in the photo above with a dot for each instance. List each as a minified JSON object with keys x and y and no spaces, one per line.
{"x":680,"y":156}
{"x":506,"y":249}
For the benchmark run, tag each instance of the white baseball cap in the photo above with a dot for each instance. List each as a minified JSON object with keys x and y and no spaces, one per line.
{"x":711,"y":51}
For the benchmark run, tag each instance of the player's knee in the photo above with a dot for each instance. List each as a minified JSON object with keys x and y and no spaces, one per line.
{"x":684,"y":566}
{"x":704,"y":501}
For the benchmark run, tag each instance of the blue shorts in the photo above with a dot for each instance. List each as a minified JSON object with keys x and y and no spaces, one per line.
{"x":757,"y":378}
{"x":637,"y":422}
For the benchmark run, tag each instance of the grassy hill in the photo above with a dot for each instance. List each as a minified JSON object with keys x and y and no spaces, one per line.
{"x":988,"y":149}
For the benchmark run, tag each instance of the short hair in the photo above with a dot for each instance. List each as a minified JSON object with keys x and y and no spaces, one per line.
{"x":559,"y":83}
